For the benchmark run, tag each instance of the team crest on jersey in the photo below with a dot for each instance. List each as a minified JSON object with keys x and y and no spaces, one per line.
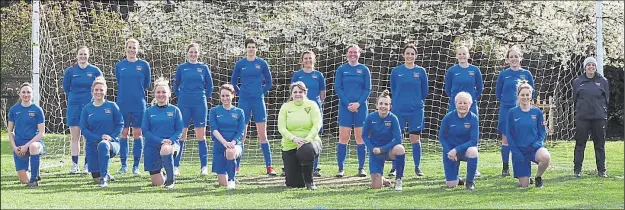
{"x":467,"y":125}
{"x":314,"y":76}
{"x":358,"y":71}
{"x":107,"y":111}
{"x":415,"y":75}
{"x":387,"y":123}
{"x":523,"y":77}
{"x":199,"y":70}
{"x":257,"y":66}
{"x":170,"y":114}
{"x":597,"y":83}
{"x":533,"y":117}
{"x":471,"y":73}
{"x":89,"y":75}
{"x":307,"y":109}
{"x":235,"y":116}
{"x":31,"y":114}
{"x":138,"y":68}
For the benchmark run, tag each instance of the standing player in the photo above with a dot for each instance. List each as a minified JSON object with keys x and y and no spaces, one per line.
{"x":193,"y":84}
{"x":255,"y":79}
{"x":506,"y":94}
{"x":162,"y":127}
{"x":299,"y":122}
{"x":525,"y":130}
{"x":227,"y":124}
{"x":591,"y":94}
{"x":316,"y":84}
{"x":352,"y":84}
{"x":383,"y":136}
{"x":101,"y":122}
{"x":133,"y":79}
{"x":26,"y":129}
{"x":458,"y":136}
{"x":77,"y":81}
{"x":409,"y":85}
{"x":464,"y":77}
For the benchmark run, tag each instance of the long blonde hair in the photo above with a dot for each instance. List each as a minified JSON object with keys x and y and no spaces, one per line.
{"x":161,"y":82}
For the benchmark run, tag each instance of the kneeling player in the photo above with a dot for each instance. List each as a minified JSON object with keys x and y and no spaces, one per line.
{"x":382,"y":134}
{"x":458,"y":136}
{"x":162,"y":128}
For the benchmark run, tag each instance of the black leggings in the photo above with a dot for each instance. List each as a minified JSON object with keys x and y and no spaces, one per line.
{"x":298,"y":164}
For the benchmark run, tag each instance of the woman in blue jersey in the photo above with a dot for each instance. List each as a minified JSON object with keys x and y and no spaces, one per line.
{"x":526,"y":132}
{"x":101,"y":123}
{"x":255,"y":77}
{"x":459,"y":134}
{"x":26,"y":127}
{"x":77,"y":81}
{"x":227,"y":124}
{"x":193,"y":84}
{"x":316,"y":84}
{"x":133,"y":79}
{"x":464,"y":77}
{"x":162,"y":127}
{"x":352,"y":84}
{"x":409,"y":85}
{"x":382,"y":135}
{"x":506,"y":94}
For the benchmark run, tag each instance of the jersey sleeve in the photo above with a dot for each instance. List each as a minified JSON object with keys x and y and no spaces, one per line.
{"x":148,"y":76}
{"x":175,"y":137}
{"x":84,"y":126}
{"x":268,"y":80}
{"x":67,"y":81}
{"x":208,"y":83}
{"x":448,"y":82}
{"x":424,"y":85}
{"x":479,"y":84}
{"x":322,"y":81}
{"x":177,"y":81}
{"x":366,"y":87}
{"x":338,"y":87}
{"x":118,"y":120}
{"x":499,"y":87}
{"x":542,"y":131}
{"x":366,"y":133}
{"x":530,"y":80}
{"x":443,"y":134}
{"x":240,"y":127}
{"x":282,"y":118}
{"x":41,"y":118}
{"x":146,"y":130}
{"x":234,"y":79}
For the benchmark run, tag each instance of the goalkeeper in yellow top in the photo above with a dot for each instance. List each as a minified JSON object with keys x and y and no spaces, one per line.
{"x":299,"y":121}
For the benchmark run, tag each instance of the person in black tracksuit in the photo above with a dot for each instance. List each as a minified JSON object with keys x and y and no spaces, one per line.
{"x":591,"y":94}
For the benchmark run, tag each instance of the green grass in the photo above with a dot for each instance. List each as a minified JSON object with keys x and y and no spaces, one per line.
{"x":58,"y":189}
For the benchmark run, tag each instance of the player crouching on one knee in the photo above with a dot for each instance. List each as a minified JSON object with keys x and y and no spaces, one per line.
{"x":299,"y":121}
{"x":26,"y":129}
{"x":382,"y":134}
{"x":459,"y":134}
{"x":162,"y":128}
{"x":526,"y":132}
